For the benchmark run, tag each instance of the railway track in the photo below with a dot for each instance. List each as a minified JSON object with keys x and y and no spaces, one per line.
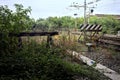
{"x":106,"y":40}
{"x":110,"y":41}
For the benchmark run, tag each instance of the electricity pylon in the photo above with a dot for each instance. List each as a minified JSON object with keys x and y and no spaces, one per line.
{"x":85,"y":6}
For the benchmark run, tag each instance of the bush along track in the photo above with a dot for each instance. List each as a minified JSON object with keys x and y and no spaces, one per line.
{"x":36,"y":62}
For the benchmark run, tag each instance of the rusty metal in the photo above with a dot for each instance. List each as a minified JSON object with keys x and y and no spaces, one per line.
{"x":110,"y":41}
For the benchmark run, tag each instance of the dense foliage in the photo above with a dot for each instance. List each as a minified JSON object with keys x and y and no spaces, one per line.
{"x":57,"y":22}
{"x":34,"y":61}
{"x":29,"y":62}
{"x":33,"y":64}
{"x":12,"y":22}
{"x":110,"y":24}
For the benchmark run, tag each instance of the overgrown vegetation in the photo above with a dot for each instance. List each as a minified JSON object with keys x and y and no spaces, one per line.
{"x":33,"y":61}
{"x":110,"y":24}
{"x":12,"y":22}
{"x":36,"y":62}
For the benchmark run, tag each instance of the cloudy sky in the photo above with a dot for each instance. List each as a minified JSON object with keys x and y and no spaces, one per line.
{"x":46,"y":8}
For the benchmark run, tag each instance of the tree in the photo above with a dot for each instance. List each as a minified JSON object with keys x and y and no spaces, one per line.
{"x":110,"y":24}
{"x":12,"y":22}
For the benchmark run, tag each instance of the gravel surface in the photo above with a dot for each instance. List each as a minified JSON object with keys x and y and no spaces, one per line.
{"x":104,"y":57}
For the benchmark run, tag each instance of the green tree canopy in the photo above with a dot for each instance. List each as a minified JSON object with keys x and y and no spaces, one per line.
{"x":110,"y":24}
{"x":14,"y":21}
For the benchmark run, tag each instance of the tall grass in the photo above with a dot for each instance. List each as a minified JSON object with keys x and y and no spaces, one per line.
{"x":35,"y":61}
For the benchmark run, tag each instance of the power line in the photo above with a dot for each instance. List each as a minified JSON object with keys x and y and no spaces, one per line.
{"x":85,"y":6}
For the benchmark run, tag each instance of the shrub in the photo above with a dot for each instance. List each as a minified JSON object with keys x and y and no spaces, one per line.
{"x":29,"y":63}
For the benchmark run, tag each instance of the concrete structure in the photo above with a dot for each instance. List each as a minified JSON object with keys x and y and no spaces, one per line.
{"x":118,"y":34}
{"x":101,"y":68}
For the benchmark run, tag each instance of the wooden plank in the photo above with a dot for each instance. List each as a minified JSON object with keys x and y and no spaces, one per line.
{"x":110,"y":42}
{"x":38,"y":33}
{"x":110,"y":37}
{"x":32,"y":34}
{"x":84,"y":26}
{"x":91,"y":27}
{"x":98,"y":27}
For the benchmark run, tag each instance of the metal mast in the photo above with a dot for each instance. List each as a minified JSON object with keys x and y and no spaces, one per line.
{"x":85,"y":6}
{"x":85,"y":19}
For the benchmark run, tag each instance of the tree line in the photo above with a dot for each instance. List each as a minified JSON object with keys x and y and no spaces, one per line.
{"x":110,"y":24}
{"x":19,"y":20}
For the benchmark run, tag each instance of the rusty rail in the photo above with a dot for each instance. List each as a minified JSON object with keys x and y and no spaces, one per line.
{"x":110,"y":41}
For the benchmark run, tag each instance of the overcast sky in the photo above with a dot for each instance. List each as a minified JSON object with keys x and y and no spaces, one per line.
{"x":46,"y":8}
